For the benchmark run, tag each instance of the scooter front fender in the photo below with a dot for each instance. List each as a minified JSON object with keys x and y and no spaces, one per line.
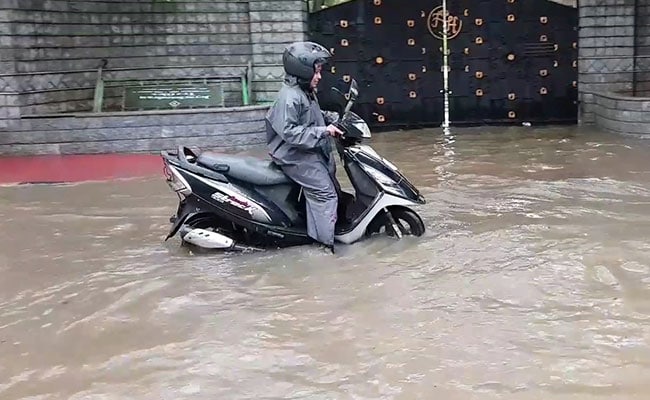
{"x":382,"y":202}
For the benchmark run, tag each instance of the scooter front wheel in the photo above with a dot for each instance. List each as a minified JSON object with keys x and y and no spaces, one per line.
{"x":407,"y":221}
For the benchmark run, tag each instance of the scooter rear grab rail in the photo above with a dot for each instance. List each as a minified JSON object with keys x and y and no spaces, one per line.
{"x":181,"y":159}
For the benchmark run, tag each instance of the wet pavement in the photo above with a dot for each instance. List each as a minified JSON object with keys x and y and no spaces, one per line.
{"x":532,"y":282}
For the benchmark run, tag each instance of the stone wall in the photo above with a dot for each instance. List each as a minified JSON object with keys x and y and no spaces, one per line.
{"x":622,"y":114}
{"x":273,"y":25}
{"x":132,"y":132}
{"x":642,"y":42}
{"x":50,"y":50}
{"x":57,"y":46}
{"x":614,"y":51}
{"x":606,"y":50}
{"x":9,"y":99}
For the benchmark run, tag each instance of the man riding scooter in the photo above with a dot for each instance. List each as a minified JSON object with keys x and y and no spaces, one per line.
{"x":231,"y":202}
{"x":298,"y":136}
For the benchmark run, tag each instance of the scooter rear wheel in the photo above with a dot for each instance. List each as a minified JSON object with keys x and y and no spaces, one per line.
{"x":408,"y":222}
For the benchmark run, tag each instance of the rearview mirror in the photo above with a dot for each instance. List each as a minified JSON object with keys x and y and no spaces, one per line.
{"x":339,"y":98}
{"x":354,"y":90}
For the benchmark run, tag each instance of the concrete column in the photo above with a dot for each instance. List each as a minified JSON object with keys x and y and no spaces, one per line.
{"x":642,"y":64}
{"x":9,"y":93}
{"x":606,"y":50}
{"x":273,"y":25}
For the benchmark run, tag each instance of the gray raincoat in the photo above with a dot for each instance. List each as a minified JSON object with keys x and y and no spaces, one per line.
{"x":299,"y":143}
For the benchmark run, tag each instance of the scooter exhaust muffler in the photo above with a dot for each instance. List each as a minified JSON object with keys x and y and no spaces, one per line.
{"x":206,"y":239}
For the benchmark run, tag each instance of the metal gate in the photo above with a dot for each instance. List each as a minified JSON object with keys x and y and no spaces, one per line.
{"x":511,"y":60}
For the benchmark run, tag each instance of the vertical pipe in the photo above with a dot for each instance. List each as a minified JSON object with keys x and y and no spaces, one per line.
{"x":244,"y":90}
{"x":99,"y":88}
{"x":445,"y":68}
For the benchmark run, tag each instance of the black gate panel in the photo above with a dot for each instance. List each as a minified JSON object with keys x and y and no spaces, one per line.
{"x":509,"y":63}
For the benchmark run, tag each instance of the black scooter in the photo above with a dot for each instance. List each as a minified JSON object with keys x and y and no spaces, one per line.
{"x":237,"y":203}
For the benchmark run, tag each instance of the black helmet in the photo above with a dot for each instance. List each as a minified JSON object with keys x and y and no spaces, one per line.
{"x":300,"y":58}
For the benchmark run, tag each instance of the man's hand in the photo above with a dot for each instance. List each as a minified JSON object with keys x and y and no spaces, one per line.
{"x":334,"y":131}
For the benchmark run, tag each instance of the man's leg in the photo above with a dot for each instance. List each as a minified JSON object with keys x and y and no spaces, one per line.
{"x":321,"y":198}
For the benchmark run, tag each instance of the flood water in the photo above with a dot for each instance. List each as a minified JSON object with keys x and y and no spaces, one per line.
{"x":532,"y":282}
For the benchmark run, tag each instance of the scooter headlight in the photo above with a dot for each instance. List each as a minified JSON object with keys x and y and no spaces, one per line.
{"x":363,"y":128}
{"x":387,"y":183}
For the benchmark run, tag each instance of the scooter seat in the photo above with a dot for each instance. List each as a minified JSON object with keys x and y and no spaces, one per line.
{"x":247,"y":169}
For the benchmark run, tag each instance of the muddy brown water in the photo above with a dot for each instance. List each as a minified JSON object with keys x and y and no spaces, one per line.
{"x":532,"y":282}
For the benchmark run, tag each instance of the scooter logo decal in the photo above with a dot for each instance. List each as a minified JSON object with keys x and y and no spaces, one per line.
{"x":233,"y":201}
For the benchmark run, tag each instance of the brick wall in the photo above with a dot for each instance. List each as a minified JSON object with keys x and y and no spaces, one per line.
{"x":614,"y":51}
{"x":642,"y":42}
{"x":50,"y":49}
{"x":57,"y":45}
{"x":273,"y":25}
{"x":622,"y":114}
{"x":133,"y":132}
{"x":9,"y":107}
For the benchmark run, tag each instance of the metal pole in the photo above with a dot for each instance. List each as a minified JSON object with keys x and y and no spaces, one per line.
{"x":99,"y":88}
{"x":445,"y":68}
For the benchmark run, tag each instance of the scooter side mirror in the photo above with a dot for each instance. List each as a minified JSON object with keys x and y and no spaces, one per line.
{"x":354,"y":90}
{"x":339,"y":99}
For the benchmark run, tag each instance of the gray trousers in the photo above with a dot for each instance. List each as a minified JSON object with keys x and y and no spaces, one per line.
{"x":320,"y":188}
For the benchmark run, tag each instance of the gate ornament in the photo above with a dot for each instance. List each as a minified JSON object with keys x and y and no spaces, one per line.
{"x":435,"y":23}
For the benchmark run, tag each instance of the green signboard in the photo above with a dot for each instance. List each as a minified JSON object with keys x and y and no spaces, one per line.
{"x":172,"y":96}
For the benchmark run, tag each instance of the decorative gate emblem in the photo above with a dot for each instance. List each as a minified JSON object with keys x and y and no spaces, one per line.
{"x":435,"y":23}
